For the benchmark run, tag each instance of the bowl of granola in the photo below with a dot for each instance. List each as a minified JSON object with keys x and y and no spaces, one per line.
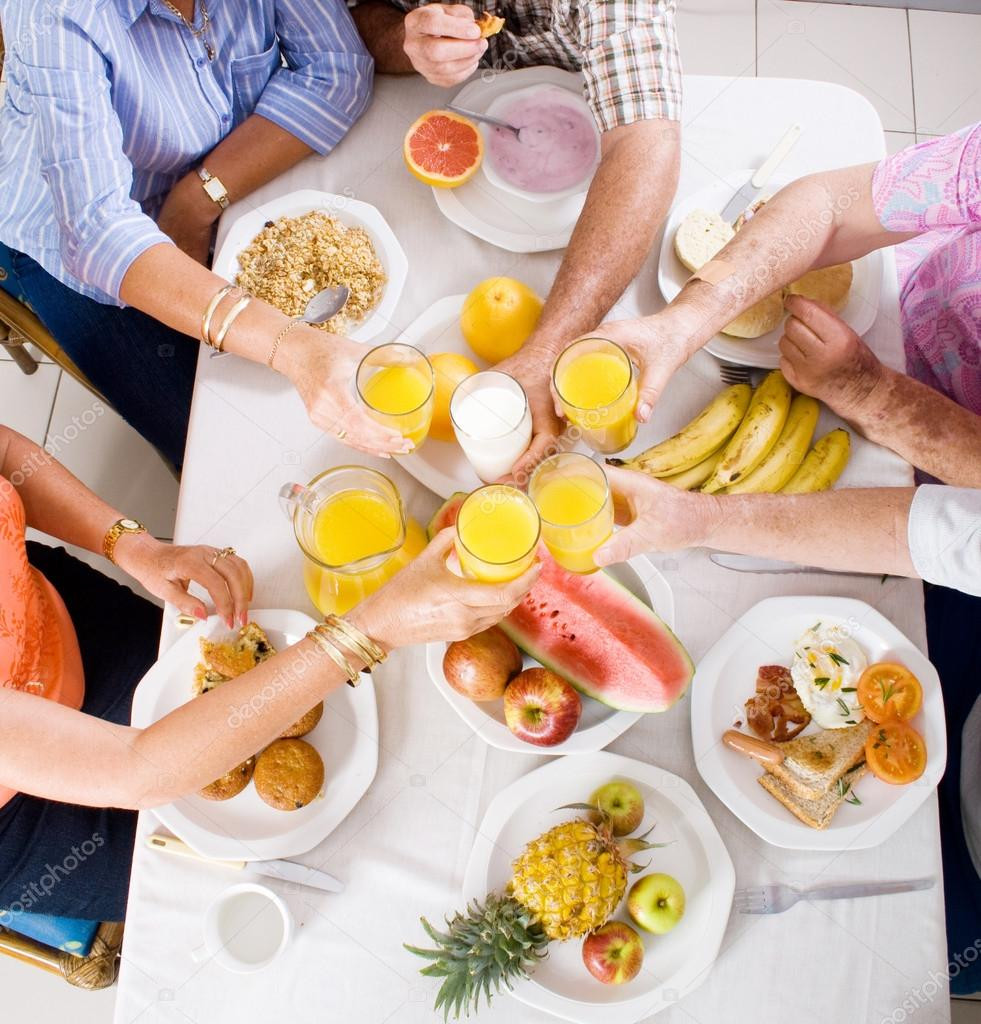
{"x":290,"y":248}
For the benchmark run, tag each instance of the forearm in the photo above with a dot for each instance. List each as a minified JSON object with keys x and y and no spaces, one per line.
{"x":847,"y":530}
{"x":56,"y":502}
{"x":382,"y":28}
{"x":817,"y":221}
{"x":625,"y":206}
{"x":925,"y":427}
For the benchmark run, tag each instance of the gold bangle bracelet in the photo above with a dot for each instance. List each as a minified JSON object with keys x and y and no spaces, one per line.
{"x":229,"y":320}
{"x":210,"y":312}
{"x":279,"y":337}
{"x":375,"y":655}
{"x":332,"y":652}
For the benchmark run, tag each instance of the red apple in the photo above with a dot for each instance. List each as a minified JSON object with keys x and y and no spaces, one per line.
{"x":541,"y":707}
{"x":614,"y":953}
{"x":481,"y":666}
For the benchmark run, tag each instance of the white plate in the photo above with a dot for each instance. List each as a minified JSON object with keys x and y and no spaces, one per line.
{"x":859,"y":312}
{"x":675,"y":963}
{"x":726,"y":678}
{"x":246,"y":828}
{"x":599,"y":724}
{"x":490,"y":213}
{"x":350,"y":212}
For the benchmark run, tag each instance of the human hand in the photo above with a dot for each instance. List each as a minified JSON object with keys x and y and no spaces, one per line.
{"x":531,"y":367}
{"x":656,"y":346}
{"x":443,"y":43}
{"x":822,"y":356}
{"x":655,"y":516}
{"x":188,"y":216}
{"x":167,"y":569}
{"x":323,"y":368}
{"x":426,"y":602}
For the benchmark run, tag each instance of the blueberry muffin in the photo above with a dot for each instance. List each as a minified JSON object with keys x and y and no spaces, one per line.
{"x":231,"y":783}
{"x":305,"y":724}
{"x":289,"y":774}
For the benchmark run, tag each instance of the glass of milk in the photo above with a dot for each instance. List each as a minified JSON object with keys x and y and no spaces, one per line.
{"x":492,"y":422}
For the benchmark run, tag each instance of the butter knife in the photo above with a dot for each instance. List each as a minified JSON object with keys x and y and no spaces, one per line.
{"x":761,"y":178}
{"x":284,"y":870}
{"x":750,"y":563}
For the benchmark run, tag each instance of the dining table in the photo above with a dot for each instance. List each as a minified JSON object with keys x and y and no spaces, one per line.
{"x":402,"y":851}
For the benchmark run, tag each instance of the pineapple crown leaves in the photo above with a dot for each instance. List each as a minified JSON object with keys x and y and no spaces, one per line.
{"x":627,"y":847}
{"x":488,"y":946}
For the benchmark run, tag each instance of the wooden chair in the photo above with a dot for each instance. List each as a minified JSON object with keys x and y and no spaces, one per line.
{"x":19,"y":325}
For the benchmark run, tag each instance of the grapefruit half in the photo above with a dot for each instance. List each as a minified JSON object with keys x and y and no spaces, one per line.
{"x":443,"y":149}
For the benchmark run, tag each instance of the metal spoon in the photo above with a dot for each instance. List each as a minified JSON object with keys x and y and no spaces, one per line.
{"x":493,"y":121}
{"x":325,"y":304}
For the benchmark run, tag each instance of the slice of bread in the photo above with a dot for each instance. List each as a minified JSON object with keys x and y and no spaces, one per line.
{"x":765,"y":316}
{"x":817,"y":813}
{"x":814,"y":763}
{"x":829,"y":285}
{"x":699,"y":237}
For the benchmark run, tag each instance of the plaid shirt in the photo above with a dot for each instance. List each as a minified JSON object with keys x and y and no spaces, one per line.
{"x":627,"y":50}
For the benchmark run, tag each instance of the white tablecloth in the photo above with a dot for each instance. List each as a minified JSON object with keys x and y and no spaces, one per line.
{"x":403,"y":849}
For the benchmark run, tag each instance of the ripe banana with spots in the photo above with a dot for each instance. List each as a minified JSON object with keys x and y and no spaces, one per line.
{"x":756,"y":435}
{"x":694,"y":443}
{"x":822,"y":465}
{"x":692,"y":479}
{"x":787,"y":454}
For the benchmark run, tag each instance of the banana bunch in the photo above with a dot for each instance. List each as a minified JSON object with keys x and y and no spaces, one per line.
{"x":749,"y":442}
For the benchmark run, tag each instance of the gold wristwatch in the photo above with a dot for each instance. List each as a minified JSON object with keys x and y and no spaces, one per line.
{"x":213,"y":186}
{"x":116,"y":531}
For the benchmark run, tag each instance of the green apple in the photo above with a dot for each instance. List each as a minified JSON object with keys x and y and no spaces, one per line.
{"x":656,"y":902}
{"x":622,"y":803}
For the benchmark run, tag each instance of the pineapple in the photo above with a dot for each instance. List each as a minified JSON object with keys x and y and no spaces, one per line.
{"x":565,"y":884}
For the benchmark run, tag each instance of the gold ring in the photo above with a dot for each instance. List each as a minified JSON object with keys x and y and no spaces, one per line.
{"x":341,"y":434}
{"x":224,"y":553}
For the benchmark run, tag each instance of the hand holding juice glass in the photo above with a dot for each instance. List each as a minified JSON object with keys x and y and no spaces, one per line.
{"x":497,"y":532}
{"x":573,"y":499}
{"x":597,"y":386}
{"x":397,"y":385}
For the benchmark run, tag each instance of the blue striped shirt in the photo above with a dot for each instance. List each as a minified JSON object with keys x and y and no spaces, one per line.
{"x":110,"y":102}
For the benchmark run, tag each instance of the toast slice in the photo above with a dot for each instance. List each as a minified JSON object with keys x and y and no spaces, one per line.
{"x":817,"y":813}
{"x":813,"y":764}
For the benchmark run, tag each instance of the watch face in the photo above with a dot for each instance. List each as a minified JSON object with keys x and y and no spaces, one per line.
{"x":130,"y":524}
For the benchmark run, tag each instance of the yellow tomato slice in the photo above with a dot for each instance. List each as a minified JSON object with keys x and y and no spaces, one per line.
{"x":887,"y":690}
{"x":895,"y":752}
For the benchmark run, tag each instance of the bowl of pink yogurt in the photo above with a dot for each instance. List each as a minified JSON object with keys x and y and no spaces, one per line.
{"x":556,"y":150}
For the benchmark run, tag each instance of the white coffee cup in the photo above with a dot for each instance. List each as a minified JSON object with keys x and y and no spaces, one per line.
{"x":246,"y":928}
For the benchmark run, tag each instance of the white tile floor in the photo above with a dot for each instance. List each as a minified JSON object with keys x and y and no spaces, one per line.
{"x":919,"y":69}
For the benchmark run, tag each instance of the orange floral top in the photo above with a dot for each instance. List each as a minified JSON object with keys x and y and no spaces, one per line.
{"x":38,"y":648}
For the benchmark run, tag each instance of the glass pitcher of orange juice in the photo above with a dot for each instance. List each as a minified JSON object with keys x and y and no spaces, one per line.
{"x":351,"y":527}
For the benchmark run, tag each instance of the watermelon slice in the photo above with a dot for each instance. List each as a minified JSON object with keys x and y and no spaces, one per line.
{"x":593,"y":632}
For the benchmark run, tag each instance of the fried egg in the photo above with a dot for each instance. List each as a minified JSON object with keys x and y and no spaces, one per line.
{"x":826,"y":668}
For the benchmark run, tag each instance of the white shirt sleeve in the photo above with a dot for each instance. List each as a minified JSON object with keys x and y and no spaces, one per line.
{"x":945,"y":536}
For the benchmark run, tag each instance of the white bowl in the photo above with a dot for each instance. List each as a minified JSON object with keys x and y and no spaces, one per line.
{"x":351,"y":213}
{"x":506,"y":100}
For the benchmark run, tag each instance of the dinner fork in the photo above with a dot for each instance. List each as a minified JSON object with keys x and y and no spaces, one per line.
{"x":733,"y":373}
{"x":776,"y":898}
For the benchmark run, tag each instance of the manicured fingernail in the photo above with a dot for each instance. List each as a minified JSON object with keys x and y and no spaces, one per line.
{"x":200,"y":613}
{"x":644,"y":410}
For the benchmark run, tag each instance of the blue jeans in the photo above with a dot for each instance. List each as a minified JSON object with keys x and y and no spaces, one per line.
{"x":954,"y":641}
{"x":63,"y":859}
{"x":143,"y":367}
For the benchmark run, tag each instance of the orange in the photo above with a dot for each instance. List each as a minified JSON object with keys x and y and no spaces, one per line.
{"x":449,"y":368}
{"x":895,"y":752}
{"x":499,"y":316}
{"x":887,"y":690}
{"x":443,"y":149}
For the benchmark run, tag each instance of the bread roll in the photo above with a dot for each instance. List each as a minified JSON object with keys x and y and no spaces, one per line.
{"x":699,"y":237}
{"x":758,"y":320}
{"x":830,"y":285}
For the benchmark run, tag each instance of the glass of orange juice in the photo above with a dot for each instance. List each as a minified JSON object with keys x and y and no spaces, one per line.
{"x":397,"y":385}
{"x":573,"y":499}
{"x":497,"y":532}
{"x":596,"y":383}
{"x":351,"y":527}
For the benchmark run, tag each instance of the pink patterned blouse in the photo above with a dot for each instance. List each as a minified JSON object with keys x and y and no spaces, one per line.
{"x":935,"y":188}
